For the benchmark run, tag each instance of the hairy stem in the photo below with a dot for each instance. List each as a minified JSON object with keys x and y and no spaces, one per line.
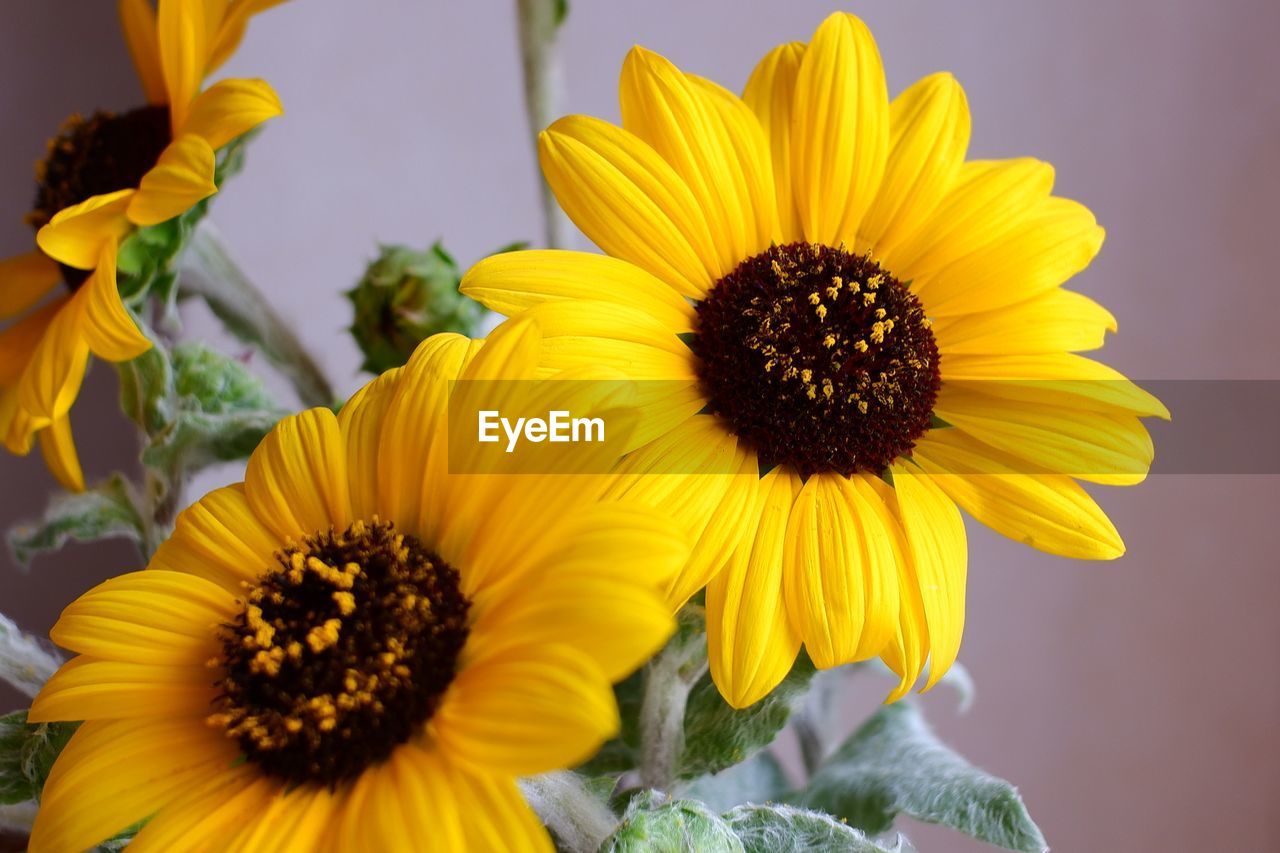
{"x":668,"y":679}
{"x":543,"y":95}
{"x":579,"y":819}
{"x":208,"y":271}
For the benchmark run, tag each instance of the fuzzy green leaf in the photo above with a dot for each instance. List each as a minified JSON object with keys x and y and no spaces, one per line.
{"x":103,"y":512}
{"x":220,"y":412}
{"x":787,"y":829}
{"x":27,"y":752}
{"x":654,"y":823}
{"x":895,"y":764}
{"x":26,"y":662}
{"x":718,"y":735}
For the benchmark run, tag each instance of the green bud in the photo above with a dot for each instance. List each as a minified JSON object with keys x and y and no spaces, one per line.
{"x":405,"y":297}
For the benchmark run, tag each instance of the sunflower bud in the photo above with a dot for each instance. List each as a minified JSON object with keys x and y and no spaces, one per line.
{"x":406,"y":296}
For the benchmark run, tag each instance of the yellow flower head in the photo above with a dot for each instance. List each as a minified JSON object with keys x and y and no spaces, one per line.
{"x":102,"y":177}
{"x":355,"y":649}
{"x":856,"y":327}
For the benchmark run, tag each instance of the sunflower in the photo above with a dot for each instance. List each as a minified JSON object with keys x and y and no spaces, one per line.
{"x":102,"y":177}
{"x":853,"y":328}
{"x":354,"y":649}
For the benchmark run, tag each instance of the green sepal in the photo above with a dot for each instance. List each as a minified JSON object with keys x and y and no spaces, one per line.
{"x":105,"y":511}
{"x":717,"y":735}
{"x":218,"y":412}
{"x":655,"y":823}
{"x":894,"y":764}
{"x":787,"y":829}
{"x":27,"y":753}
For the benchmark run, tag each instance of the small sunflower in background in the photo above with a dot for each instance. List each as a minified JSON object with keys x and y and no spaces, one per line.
{"x":354,"y":649}
{"x":102,"y":177}
{"x":855,"y":326}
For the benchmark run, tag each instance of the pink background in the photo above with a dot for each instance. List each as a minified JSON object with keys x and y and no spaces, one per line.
{"x":1134,"y":703}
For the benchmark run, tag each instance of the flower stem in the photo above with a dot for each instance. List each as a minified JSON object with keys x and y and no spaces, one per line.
{"x":208,"y":271}
{"x":579,"y":819}
{"x":543,"y":94}
{"x":669,"y":678}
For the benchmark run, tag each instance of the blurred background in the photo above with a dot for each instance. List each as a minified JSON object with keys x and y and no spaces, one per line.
{"x":1132,"y":702}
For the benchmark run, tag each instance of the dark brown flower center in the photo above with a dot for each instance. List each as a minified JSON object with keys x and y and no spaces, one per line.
{"x":818,"y":359}
{"x":341,"y":654}
{"x":101,"y":154}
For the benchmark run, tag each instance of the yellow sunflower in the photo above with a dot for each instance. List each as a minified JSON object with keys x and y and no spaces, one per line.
{"x":862,"y":326}
{"x":102,"y":177}
{"x":354,"y":649}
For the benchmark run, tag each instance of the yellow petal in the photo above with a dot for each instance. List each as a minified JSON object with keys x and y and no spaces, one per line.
{"x":296,"y":480}
{"x":581,"y":332}
{"x":928,"y":136}
{"x":232,"y":28}
{"x":167,"y":618}
{"x":987,"y":199}
{"x":839,"y":130}
{"x":208,"y":812}
{"x":24,"y":281}
{"x":770,"y":94}
{"x":566,"y":710}
{"x":59,"y":452}
{"x":598,"y":589}
{"x":114,"y":773}
{"x":630,"y":202}
{"x":702,"y":476}
{"x":1057,"y":321}
{"x":713,"y":143}
{"x":935,"y":547}
{"x":361,"y":421}
{"x":86,"y":688}
{"x":231,"y":108}
{"x":294,"y":821}
{"x":138,"y":20}
{"x":751,"y":644}
{"x":410,"y":801}
{"x":412,"y":461}
{"x":182,"y":177}
{"x":499,"y":818}
{"x":1059,"y":378}
{"x":109,"y":329}
{"x":840,"y":574}
{"x":52,"y":377}
{"x":182,"y":32}
{"x":1049,"y":512}
{"x":1098,"y":447}
{"x":1053,"y":242}
{"x":511,"y":282}
{"x":218,"y":538}
{"x":75,"y":236}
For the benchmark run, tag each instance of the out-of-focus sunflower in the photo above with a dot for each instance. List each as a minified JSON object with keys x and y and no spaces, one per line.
{"x":866,"y":327}
{"x":102,"y":177}
{"x":355,"y":649}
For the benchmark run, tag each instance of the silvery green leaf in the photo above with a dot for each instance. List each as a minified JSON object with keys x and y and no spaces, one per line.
{"x":219,"y":412}
{"x":787,"y":829}
{"x":147,"y":390}
{"x":759,"y":779}
{"x":655,"y":823}
{"x":895,"y":765}
{"x":106,"y":511}
{"x":718,"y":735}
{"x":27,"y":752}
{"x":25,"y":662}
